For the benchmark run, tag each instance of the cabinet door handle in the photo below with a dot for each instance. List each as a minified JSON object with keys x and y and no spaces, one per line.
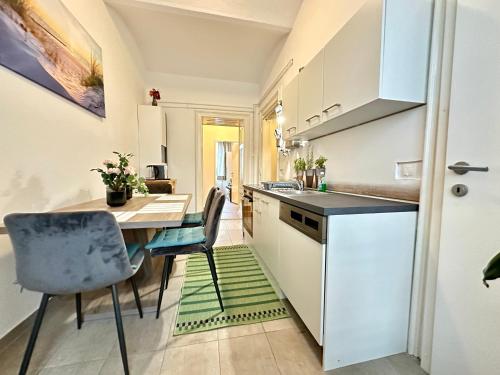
{"x":289,"y":129}
{"x":265,"y":202}
{"x":310,"y":118}
{"x":331,"y":107}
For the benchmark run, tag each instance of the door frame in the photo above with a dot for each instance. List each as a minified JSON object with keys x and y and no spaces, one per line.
{"x":248,"y":164}
{"x":432,"y":183}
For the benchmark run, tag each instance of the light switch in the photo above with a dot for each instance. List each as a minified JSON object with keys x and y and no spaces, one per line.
{"x":408,"y":170}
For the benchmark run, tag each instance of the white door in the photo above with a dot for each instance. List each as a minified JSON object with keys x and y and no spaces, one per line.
{"x":467,"y":320}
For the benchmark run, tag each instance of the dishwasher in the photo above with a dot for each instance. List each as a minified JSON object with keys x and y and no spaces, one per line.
{"x":302,"y":265}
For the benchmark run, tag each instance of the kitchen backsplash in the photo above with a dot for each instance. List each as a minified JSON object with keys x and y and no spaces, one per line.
{"x":363,"y":159}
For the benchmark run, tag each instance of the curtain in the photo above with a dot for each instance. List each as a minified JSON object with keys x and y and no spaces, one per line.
{"x":221,"y":150}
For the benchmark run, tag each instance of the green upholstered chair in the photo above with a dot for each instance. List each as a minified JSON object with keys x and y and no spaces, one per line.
{"x":199,"y":218}
{"x":70,"y":253}
{"x":171,"y":242}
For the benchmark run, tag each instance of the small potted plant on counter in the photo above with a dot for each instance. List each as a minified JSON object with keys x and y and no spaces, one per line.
{"x":299,"y":165}
{"x":320,"y":173}
{"x":320,"y":165}
{"x":310,"y":169}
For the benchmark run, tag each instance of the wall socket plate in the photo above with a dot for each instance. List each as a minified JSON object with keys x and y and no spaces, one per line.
{"x":408,"y":170}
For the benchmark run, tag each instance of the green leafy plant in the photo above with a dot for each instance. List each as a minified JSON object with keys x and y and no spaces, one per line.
{"x":492,"y":270}
{"x":120,"y":175}
{"x":299,"y":165}
{"x":310,"y":159}
{"x":320,"y":162}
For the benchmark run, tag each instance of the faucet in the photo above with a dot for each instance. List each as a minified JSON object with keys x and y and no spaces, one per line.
{"x":300,"y":183}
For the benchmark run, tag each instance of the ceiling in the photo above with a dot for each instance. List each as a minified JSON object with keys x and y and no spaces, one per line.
{"x":234,"y":40}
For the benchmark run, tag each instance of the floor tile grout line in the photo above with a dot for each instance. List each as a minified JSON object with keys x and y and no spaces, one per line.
{"x":272,"y":351}
{"x":218,"y":352}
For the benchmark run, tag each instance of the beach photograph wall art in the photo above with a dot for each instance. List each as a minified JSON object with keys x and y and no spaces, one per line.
{"x":42,"y":41}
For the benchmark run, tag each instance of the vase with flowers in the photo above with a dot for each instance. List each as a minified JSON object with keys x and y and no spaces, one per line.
{"x":155,"y":94}
{"x":120,"y":180}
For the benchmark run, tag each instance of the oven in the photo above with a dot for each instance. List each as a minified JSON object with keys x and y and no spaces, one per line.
{"x":247,"y":208}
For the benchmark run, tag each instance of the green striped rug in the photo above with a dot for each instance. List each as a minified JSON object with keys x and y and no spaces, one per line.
{"x":247,"y":295}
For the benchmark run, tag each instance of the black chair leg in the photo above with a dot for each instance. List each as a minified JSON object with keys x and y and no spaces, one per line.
{"x":163,"y":285}
{"x":79,"y":318}
{"x":136,"y":296}
{"x":119,"y":328}
{"x":211,"y":264}
{"x":34,"y":335}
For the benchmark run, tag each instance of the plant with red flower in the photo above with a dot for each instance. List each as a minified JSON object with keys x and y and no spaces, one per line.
{"x":155,"y":94}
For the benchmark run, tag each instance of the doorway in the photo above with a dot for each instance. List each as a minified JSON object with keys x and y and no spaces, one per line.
{"x":222,"y":160}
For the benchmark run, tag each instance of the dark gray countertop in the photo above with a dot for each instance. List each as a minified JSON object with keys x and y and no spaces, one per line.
{"x":337,"y":203}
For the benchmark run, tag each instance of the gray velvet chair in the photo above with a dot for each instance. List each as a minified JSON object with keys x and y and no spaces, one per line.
{"x":177,"y":241}
{"x":71,"y":253}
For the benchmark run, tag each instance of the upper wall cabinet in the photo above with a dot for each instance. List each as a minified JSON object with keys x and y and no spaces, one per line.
{"x":290,"y":99}
{"x":375,"y":66}
{"x":311,"y":93}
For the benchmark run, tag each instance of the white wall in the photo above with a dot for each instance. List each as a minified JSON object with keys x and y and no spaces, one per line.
{"x":48,"y":144}
{"x":187,"y":89}
{"x":361,"y":155}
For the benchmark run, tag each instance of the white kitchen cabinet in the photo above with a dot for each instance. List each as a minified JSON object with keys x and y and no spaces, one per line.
{"x":265,"y":238}
{"x":375,"y":66}
{"x":369,"y":269}
{"x":270,"y":208}
{"x":290,"y":101}
{"x":352,"y":62}
{"x":258,"y":228}
{"x":310,"y":93}
{"x":302,"y":273}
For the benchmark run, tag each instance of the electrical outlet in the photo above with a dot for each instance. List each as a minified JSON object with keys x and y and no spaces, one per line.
{"x":408,"y":170}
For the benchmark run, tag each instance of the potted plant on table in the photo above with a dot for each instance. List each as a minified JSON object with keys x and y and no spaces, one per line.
{"x":132,"y":181}
{"x":299,"y":165}
{"x":309,"y":169}
{"x":120,"y":180}
{"x":114,"y":179}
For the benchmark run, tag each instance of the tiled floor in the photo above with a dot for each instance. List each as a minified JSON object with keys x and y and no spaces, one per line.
{"x":276,"y":347}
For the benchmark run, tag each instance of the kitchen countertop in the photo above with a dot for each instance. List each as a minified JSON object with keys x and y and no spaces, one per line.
{"x":329,"y":203}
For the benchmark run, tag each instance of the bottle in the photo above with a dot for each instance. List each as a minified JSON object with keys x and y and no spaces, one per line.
{"x":322,"y":184}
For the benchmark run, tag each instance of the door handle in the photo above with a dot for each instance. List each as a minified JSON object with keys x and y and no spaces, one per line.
{"x":462,"y":168}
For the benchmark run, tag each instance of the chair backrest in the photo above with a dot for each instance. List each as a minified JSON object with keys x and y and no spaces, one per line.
{"x":66,"y":253}
{"x":213,"y":220}
{"x":208,"y":202}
